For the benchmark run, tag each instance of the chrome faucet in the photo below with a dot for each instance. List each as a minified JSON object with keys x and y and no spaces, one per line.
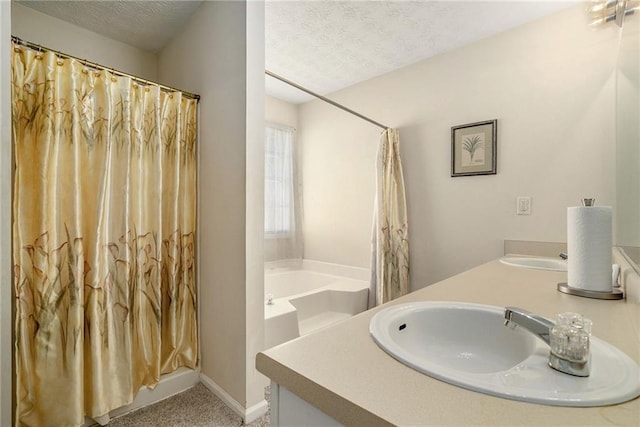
{"x":566,"y":354}
{"x":537,"y":325}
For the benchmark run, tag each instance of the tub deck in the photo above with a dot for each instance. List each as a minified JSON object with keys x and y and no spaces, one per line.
{"x":307,"y":301}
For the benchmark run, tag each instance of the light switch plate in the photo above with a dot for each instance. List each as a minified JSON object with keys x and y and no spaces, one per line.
{"x":523,"y":205}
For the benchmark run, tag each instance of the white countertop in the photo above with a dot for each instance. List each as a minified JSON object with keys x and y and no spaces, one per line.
{"x":345,"y":374}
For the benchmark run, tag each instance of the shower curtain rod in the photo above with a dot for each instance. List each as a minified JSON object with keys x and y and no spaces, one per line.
{"x":95,"y":66}
{"x":323,"y":98}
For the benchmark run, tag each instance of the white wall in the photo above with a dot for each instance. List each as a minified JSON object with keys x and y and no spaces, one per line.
{"x":222,"y":48}
{"x":280,"y":112}
{"x":550,"y":84}
{"x":6,"y":164}
{"x":62,"y":36}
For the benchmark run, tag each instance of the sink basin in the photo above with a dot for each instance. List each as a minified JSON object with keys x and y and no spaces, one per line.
{"x":553,"y":264}
{"x":467,"y":345}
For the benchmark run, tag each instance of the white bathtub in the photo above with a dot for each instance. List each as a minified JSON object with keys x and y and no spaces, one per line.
{"x":305,"y":300}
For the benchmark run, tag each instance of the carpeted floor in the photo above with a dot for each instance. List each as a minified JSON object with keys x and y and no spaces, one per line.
{"x":196,"y":407}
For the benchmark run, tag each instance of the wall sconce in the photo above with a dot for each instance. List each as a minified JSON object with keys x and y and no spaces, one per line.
{"x":603,"y":11}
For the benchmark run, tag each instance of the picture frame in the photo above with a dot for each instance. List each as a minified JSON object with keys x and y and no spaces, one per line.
{"x":474,"y":148}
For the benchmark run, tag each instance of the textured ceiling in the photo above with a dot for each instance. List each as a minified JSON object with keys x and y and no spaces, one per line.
{"x":326,"y":46}
{"x":148,"y":25}
{"x":322,"y":45}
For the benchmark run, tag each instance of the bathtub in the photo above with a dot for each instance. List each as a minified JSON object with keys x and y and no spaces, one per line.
{"x":310,"y":298}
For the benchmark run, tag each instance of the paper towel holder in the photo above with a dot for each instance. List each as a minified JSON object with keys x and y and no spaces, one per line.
{"x":613,"y":294}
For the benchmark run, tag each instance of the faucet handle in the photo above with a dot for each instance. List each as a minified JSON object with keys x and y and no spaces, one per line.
{"x":568,"y":338}
{"x":569,"y":344}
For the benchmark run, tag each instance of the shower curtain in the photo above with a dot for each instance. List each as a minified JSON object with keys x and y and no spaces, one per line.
{"x":390,"y":237}
{"x":104,"y":237}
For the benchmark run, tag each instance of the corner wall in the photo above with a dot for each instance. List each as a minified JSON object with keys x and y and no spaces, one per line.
{"x":550,"y":84}
{"x":220,"y":55}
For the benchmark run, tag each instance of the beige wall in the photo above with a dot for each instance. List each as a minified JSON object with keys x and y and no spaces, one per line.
{"x":628,"y":134}
{"x":337,"y":155}
{"x":56,"y":34}
{"x":220,"y":52}
{"x":280,"y":112}
{"x":6,"y":162}
{"x":550,"y":84}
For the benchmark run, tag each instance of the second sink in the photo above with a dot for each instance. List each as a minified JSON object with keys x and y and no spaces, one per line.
{"x":539,"y":263}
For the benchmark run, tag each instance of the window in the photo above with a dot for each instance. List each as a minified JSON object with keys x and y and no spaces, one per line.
{"x":279,"y":188}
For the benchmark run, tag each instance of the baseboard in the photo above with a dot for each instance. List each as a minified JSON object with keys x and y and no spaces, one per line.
{"x":247,"y":414}
{"x":256,"y":411}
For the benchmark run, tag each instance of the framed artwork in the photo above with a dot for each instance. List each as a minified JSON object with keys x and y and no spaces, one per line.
{"x":474,"y":148}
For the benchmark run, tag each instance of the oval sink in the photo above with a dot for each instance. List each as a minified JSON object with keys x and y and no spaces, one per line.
{"x":538,"y":263}
{"x":468,"y":345}
{"x":430,"y":334}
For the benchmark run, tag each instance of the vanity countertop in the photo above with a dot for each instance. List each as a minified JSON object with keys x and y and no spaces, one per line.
{"x":341,"y":371}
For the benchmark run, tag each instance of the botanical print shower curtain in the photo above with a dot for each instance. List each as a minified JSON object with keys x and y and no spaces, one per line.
{"x":104,"y":237}
{"x":390,"y":237}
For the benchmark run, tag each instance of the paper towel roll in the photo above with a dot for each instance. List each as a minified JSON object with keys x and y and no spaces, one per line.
{"x":589,"y":247}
